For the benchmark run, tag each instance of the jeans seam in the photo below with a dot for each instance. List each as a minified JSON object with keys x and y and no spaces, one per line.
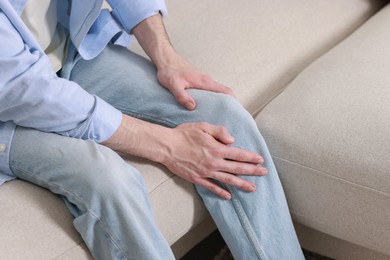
{"x":110,"y":236}
{"x":245,"y":224}
{"x":235,"y":201}
{"x":147,"y":117}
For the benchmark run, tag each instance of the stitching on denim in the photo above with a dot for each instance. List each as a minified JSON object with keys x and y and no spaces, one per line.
{"x":60,"y":187}
{"x":235,"y":201}
{"x":245,"y":223}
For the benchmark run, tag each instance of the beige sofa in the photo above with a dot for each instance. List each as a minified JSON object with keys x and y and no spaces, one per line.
{"x":315,"y":74}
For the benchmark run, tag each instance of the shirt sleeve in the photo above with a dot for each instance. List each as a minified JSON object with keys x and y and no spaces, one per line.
{"x":31,"y":94}
{"x":132,"y":12}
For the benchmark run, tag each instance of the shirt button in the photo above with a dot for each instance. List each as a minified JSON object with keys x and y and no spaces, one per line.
{"x":2,"y":147}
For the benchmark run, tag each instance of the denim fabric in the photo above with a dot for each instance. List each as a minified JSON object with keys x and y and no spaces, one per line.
{"x":47,"y":102}
{"x":31,"y":94}
{"x":254,"y":225}
{"x":106,"y":195}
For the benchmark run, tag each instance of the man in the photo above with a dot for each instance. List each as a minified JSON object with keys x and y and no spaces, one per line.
{"x":60,"y":132}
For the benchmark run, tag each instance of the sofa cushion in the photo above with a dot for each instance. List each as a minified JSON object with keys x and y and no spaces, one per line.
{"x":257,"y":47}
{"x":35,"y":224}
{"x":329,"y":135}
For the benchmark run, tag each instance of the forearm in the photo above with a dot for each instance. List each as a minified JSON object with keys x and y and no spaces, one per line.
{"x":139,"y":138}
{"x":153,"y":38}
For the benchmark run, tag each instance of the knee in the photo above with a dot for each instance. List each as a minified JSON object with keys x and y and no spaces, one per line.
{"x":222,"y":109}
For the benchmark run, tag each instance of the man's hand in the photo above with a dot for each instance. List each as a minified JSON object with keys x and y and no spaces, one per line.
{"x":173,"y":72}
{"x":200,"y":153}
{"x":197,"y":152}
{"x":180,"y":75}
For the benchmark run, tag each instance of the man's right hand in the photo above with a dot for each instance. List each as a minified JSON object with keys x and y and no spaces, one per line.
{"x":200,"y":153}
{"x":197,"y":152}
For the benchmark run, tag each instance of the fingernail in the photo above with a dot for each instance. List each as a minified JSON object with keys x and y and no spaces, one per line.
{"x":261,"y":160}
{"x":252,"y":188}
{"x":265,"y":171}
{"x":228,"y":196}
{"x":190,"y":105}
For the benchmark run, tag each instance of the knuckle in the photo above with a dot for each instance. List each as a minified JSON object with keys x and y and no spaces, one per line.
{"x":217,"y":153}
{"x":241,"y":156}
{"x":211,"y":164}
{"x":243,"y":186}
{"x":212,"y":187}
{"x":222,"y":129}
{"x":193,"y":179}
{"x":239,"y":170}
{"x":228,"y":179}
{"x":209,"y":174}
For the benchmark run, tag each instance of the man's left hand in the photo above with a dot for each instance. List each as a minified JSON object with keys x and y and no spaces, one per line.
{"x":180,"y":76}
{"x":173,"y":72}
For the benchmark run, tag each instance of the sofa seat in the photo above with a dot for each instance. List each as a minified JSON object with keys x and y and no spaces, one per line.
{"x":328,"y":132}
{"x":256,"y":47}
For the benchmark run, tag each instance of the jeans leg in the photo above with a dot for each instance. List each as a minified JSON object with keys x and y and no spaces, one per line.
{"x":255,"y":225}
{"x":106,"y":195}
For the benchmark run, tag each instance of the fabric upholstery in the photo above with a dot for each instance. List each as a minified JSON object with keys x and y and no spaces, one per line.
{"x":335,"y":248}
{"x":257,"y":47}
{"x":329,"y":135}
{"x":34,"y":223}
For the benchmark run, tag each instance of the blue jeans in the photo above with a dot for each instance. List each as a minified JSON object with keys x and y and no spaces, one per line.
{"x":107,"y":196}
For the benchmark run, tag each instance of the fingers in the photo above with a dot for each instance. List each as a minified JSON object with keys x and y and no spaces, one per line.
{"x":240,"y":168}
{"x":240,"y":155}
{"x":208,"y":83}
{"x":215,"y":160}
{"x":228,"y":152}
{"x":183,"y":98}
{"x":210,"y":185}
{"x":235,"y":181}
{"x":204,"y":82}
{"x":218,"y":132}
{"x":225,"y":178}
{"x":221,"y":134}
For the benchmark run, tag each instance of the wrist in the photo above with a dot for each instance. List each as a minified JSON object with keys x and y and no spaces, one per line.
{"x":154,"y":40}
{"x":166,"y":58}
{"x":139,"y":138}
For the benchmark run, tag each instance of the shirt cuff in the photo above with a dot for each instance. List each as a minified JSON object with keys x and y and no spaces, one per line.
{"x":131,"y":13}
{"x":106,"y":120}
{"x":7,"y":130}
{"x":100,"y":125}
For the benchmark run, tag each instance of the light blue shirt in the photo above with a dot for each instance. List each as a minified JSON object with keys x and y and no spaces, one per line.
{"x":31,"y":94}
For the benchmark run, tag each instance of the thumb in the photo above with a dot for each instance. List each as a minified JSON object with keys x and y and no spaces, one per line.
{"x":184,"y":98}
